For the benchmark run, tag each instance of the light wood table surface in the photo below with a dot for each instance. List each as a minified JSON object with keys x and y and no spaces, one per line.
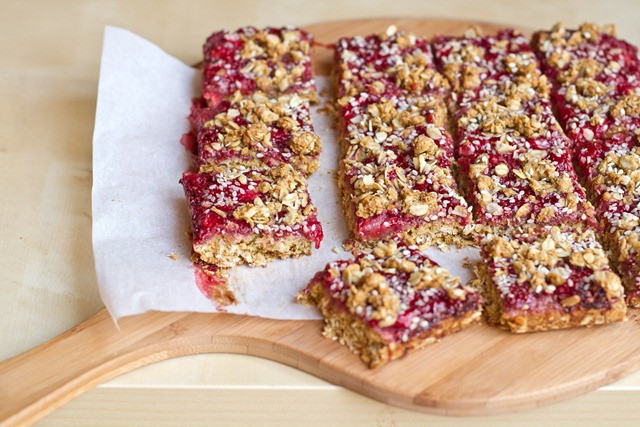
{"x":49,"y":65}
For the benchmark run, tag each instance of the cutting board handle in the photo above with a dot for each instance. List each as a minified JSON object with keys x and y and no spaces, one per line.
{"x":44,"y":378}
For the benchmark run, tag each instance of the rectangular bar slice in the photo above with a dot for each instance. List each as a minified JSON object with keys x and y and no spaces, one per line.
{"x":389,"y":64}
{"x":543,"y":278}
{"x":474,"y":62}
{"x":273,"y":60}
{"x":390,"y":300}
{"x":510,"y":184}
{"x":256,"y":130}
{"x":251,"y":216}
{"x":396,"y":173}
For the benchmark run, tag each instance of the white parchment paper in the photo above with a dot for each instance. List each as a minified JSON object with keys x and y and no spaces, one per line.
{"x":139,"y":209}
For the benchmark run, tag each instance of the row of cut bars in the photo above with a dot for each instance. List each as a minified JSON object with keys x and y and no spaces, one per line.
{"x":398,"y":189}
{"x":514,"y":159}
{"x":396,"y":169}
{"x":255,"y":145}
{"x":596,"y":90}
{"x":543,"y":267}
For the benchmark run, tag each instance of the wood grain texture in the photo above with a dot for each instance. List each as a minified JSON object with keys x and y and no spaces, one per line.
{"x":481,"y":370}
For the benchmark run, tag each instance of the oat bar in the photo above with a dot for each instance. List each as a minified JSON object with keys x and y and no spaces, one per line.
{"x":509,"y":185}
{"x":274,"y":60}
{"x":390,"y":300}
{"x":254,"y":130}
{"x":389,"y":64}
{"x":251,"y":216}
{"x":543,"y":278}
{"x":396,"y":175}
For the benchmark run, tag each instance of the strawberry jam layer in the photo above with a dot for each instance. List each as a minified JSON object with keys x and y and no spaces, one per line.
{"x":273,"y":60}
{"x":546,"y":270}
{"x":390,"y":64}
{"x":245,"y":202}
{"x":396,"y":291}
{"x":212,"y":282}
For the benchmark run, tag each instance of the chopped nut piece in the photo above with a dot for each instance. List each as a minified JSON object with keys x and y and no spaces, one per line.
{"x":570,"y":301}
{"x":501,"y":169}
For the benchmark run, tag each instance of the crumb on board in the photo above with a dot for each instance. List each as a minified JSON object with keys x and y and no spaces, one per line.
{"x":444,"y":247}
{"x":335,"y":250}
{"x":348,"y":245}
{"x":173,"y":256}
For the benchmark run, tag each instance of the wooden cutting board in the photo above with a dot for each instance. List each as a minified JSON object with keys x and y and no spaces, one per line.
{"x":481,"y":370}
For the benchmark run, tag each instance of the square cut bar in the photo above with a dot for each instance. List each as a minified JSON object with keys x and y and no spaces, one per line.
{"x":273,"y":60}
{"x":390,"y":300}
{"x":474,"y":62}
{"x":396,"y":176}
{"x":538,"y":279}
{"x":524,"y":187}
{"x":256,"y":130}
{"x":596,"y":80}
{"x":251,"y":216}
{"x":389,"y":64}
{"x":512,"y":181}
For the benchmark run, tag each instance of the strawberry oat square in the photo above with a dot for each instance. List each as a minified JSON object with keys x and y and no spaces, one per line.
{"x":390,"y":300}
{"x":251,"y":216}
{"x":396,"y":173}
{"x":542,"y":278}
{"x":256,"y":130}
{"x":274,"y":60}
